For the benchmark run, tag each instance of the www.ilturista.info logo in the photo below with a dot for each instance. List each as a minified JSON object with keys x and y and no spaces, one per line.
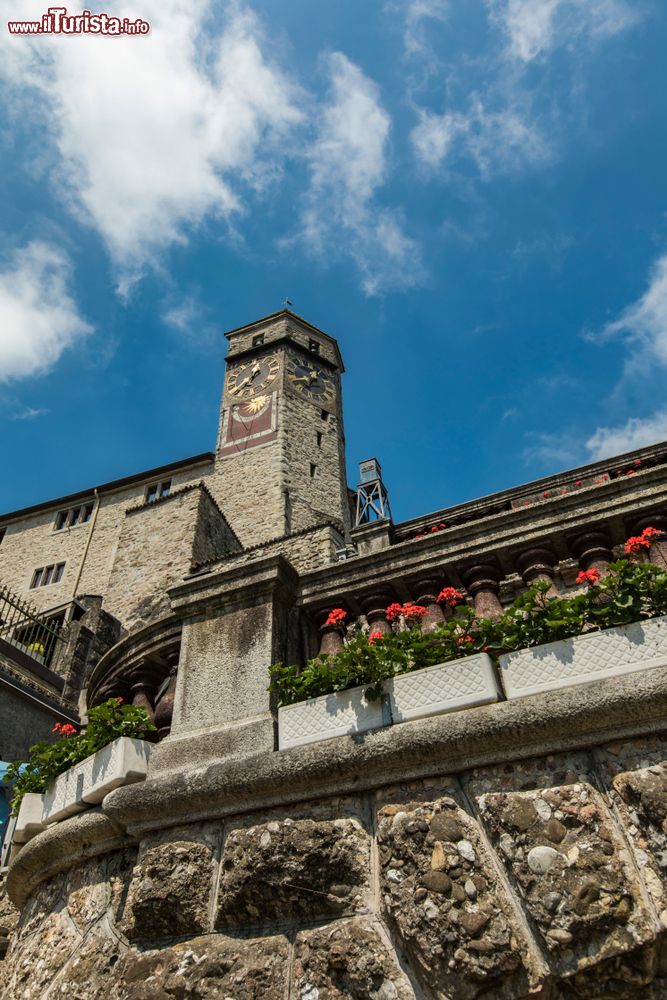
{"x":57,"y":21}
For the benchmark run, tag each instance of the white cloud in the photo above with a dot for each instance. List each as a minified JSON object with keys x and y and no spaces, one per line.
{"x":645,"y":321}
{"x":156,"y":133}
{"x":29,"y":413}
{"x":415,"y":36}
{"x":348,"y":164}
{"x":551,"y":450}
{"x":534,"y":27}
{"x":637,"y":432}
{"x":38,"y":318}
{"x":502,"y":139}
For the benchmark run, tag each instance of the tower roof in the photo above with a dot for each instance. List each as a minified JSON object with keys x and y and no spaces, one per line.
{"x":287,"y":317}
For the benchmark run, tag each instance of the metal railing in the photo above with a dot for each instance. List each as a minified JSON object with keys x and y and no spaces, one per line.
{"x":22,"y":626}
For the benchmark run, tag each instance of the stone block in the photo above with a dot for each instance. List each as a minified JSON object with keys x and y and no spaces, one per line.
{"x":349,"y":960}
{"x":289,"y":870}
{"x":641,"y":797}
{"x":171,"y":884}
{"x":570,"y":864}
{"x":211,"y":967}
{"x":443,"y":897}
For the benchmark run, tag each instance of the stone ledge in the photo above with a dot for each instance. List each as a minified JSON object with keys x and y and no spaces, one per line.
{"x":575,"y":717}
{"x":59,"y":847}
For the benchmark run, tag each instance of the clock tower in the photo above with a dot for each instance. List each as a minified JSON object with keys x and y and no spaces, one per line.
{"x":280,"y":456}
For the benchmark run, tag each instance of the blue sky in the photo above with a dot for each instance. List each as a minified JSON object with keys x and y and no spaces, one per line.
{"x":470,"y":195}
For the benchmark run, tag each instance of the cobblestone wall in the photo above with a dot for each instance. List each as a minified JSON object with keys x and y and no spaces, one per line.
{"x":540,"y":879}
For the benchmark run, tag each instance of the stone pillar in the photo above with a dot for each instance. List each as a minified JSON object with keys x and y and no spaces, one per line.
{"x":332,"y":637}
{"x":164,"y":700}
{"x":538,"y":564}
{"x":142,"y":681}
{"x":374,"y":606}
{"x":234,"y":628}
{"x":483,"y":584}
{"x":426,"y":593}
{"x":372,"y":537}
{"x":657,"y":553}
{"x":593,"y":549}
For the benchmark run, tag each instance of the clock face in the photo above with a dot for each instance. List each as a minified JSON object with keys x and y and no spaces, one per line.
{"x":310,"y":381}
{"x":252,"y":378}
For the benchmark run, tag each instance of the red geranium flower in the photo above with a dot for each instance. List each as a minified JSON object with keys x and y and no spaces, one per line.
{"x":336,"y":617}
{"x":589,"y":576}
{"x":414,"y":612}
{"x":67,"y":730}
{"x":463,"y":639}
{"x":393,"y":611}
{"x":450,"y":596}
{"x":373,"y":637}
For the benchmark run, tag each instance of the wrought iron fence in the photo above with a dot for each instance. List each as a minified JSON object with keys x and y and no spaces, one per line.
{"x":22,"y":626}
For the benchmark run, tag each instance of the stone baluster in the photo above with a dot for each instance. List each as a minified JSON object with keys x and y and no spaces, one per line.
{"x":593,"y":549}
{"x":164,"y":700}
{"x":538,"y":565}
{"x":657,"y":553}
{"x":142,"y":681}
{"x":483,"y":584}
{"x":331,"y":636}
{"x":374,"y":606}
{"x":426,"y":592}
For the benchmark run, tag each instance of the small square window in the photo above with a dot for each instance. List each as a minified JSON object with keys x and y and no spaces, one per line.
{"x":324,"y":414}
{"x":151,"y":493}
{"x":314,"y":346}
{"x":319,"y":439}
{"x":314,"y":471}
{"x":86,"y":513}
{"x":258,"y":340}
{"x":73,"y":517}
{"x":61,"y":519}
{"x":165,"y":488}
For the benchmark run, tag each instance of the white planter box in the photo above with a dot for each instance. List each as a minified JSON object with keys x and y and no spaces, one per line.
{"x":327,"y":716}
{"x":444,"y":688}
{"x":120,"y":763}
{"x":29,"y":820}
{"x":621,"y":650}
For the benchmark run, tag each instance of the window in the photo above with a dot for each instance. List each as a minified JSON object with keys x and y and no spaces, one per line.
{"x":314,"y":471}
{"x":45,"y":575}
{"x":319,"y":439}
{"x":73,"y":516}
{"x":313,"y":346}
{"x":3,"y":532}
{"x":157,"y":490}
{"x":324,"y":415}
{"x":258,"y":340}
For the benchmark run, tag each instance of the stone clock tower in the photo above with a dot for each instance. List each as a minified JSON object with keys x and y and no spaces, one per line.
{"x":280,"y":457}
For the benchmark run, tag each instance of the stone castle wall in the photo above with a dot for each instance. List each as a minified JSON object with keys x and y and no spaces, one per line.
{"x":155,"y":550}
{"x":31,"y":542}
{"x":541,"y":878}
